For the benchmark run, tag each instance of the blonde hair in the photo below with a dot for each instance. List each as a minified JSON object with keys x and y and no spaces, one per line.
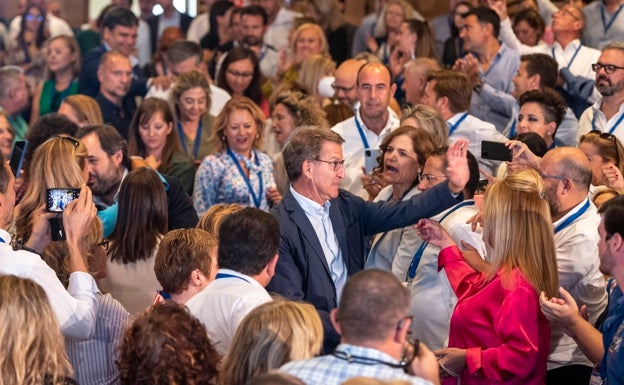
{"x":57,"y":163}
{"x":319,"y":32}
{"x":381,"y":29}
{"x":312,"y":70}
{"x":518,"y":231}
{"x":185,"y":82}
{"x":269,"y":336}
{"x":211,"y":221}
{"x":74,"y":48}
{"x":430,"y":120}
{"x":33,"y":348}
{"x":86,"y":109}
{"x":217,"y":140}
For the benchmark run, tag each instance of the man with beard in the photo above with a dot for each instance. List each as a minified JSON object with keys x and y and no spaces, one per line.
{"x":108,"y":163}
{"x":254,"y":24}
{"x":366,"y":130}
{"x":567,"y":175}
{"x":607,"y":113}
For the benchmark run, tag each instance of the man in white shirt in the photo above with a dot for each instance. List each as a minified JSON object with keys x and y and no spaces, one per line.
{"x":254,"y":27}
{"x":279,"y":23}
{"x":76,"y":307}
{"x":607,"y":113}
{"x":370,"y":125}
{"x":448,"y":93}
{"x":567,"y":176}
{"x":247,"y":255}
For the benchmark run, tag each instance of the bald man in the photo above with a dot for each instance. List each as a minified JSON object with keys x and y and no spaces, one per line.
{"x":346,"y":79}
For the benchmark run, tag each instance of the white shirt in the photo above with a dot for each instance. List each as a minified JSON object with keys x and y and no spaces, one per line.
{"x":268,"y":61}
{"x":223,"y":304}
{"x":430,"y":288}
{"x":353,"y":149}
{"x":56,"y":26}
{"x":581,"y":66}
{"x":278,"y":31}
{"x":601,"y":122}
{"x":75,"y":308}
{"x":218,"y":97}
{"x":144,"y":43}
{"x":475,"y":130}
{"x":577,"y":264}
{"x":199,"y":27}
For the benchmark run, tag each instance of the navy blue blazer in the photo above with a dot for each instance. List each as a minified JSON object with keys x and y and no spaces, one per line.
{"x":89,"y":84}
{"x":185,"y":23}
{"x":302,"y":272}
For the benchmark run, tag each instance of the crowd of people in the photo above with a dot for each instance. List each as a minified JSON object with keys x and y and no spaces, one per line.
{"x":268,"y":194}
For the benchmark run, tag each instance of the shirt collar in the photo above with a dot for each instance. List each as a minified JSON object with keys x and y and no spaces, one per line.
{"x":311,"y":208}
{"x":455,"y":118}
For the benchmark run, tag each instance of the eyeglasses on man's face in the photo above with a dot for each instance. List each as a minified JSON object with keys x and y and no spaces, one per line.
{"x":608,"y":68}
{"x":335,"y":164}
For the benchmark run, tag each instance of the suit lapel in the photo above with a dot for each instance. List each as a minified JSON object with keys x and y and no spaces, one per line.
{"x":341,"y":233}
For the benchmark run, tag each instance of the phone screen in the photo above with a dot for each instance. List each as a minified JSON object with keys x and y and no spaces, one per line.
{"x":59,"y":198}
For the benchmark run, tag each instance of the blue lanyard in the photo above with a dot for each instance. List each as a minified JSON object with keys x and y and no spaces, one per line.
{"x":226,"y":275}
{"x":197,"y":138}
{"x":456,"y":125}
{"x":256,"y":199}
{"x":573,"y":56}
{"x":617,"y":123}
{"x":411,"y":272}
{"x":572,"y":217}
{"x":2,"y":240}
{"x":608,"y":25}
{"x":359,"y":127}
{"x":512,"y":130}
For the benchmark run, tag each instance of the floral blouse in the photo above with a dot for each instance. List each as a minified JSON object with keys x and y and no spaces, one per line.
{"x":219,"y":180}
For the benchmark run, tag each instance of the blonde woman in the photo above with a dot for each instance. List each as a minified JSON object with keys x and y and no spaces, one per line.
{"x":271,"y":335}
{"x":211,"y":221}
{"x":33,"y":352}
{"x":427,"y":118}
{"x":497,"y":331}
{"x":238,"y":172}
{"x":317,"y":78}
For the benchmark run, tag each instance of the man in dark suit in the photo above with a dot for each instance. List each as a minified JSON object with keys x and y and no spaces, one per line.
{"x":119,"y":33}
{"x":323,"y":228}
{"x":169,"y":18}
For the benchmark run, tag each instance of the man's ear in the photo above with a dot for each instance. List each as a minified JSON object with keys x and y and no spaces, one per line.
{"x":393,"y":88}
{"x":306,"y":168}
{"x":333,"y":317}
{"x":402,"y":330}
{"x":535,"y":81}
{"x":616,"y":242}
{"x":270,"y":267}
{"x":117,"y":157}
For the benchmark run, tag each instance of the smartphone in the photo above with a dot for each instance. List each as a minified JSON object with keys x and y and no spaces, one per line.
{"x":17,"y":157}
{"x":59,"y":198}
{"x":495,"y":151}
{"x":370,"y":159}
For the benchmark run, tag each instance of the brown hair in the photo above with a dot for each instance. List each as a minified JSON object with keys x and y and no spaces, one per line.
{"x":211,"y":221}
{"x":454,"y":86}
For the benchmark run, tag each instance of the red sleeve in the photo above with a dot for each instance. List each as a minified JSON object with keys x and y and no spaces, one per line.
{"x":518,"y":325}
{"x":460,"y":275}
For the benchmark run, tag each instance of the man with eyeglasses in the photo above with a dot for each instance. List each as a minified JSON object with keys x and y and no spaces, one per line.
{"x":346,"y":82}
{"x":324,"y":228}
{"x":449,"y":94}
{"x":573,"y":57}
{"x":607,"y":113}
{"x":603,"y":346}
{"x":373,"y":322}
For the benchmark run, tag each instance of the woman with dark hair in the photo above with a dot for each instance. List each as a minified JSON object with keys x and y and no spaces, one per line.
{"x":454,"y":45}
{"x":218,"y":40}
{"x":141,"y":223}
{"x":153,"y":138}
{"x":240,"y":76}
{"x":167,"y":345}
{"x":541,"y":112}
{"x":28,"y":50}
{"x":529,"y":27}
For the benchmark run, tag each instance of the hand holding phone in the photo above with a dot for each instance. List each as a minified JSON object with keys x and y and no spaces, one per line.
{"x":495,"y":151}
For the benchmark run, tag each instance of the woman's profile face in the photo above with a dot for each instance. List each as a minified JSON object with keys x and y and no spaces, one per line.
{"x":406,"y":38}
{"x":239,"y":75}
{"x":596,"y":162}
{"x":525,"y":33}
{"x":400,"y":161}
{"x":531,"y":119}
{"x":59,"y":55}
{"x":282,"y":123}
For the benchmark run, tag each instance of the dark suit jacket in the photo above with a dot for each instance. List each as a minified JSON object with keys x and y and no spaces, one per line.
{"x":185,"y":22}
{"x":89,"y":84}
{"x":302,"y":273}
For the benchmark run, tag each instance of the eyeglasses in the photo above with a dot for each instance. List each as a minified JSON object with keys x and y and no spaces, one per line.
{"x":608,"y":68}
{"x":342,"y":89}
{"x":31,"y":17}
{"x":611,"y":138}
{"x":336,"y":164}
{"x":563,"y":10}
{"x":558,"y":177}
{"x":104,"y":244}
{"x":430,"y":178}
{"x":240,"y":74}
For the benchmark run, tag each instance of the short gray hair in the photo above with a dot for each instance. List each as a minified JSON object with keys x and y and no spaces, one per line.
{"x":305,"y":144}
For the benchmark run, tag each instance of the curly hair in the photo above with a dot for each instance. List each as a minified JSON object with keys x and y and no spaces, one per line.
{"x":304,"y":111}
{"x":167,"y":345}
{"x":33,"y":351}
{"x":218,"y":140}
